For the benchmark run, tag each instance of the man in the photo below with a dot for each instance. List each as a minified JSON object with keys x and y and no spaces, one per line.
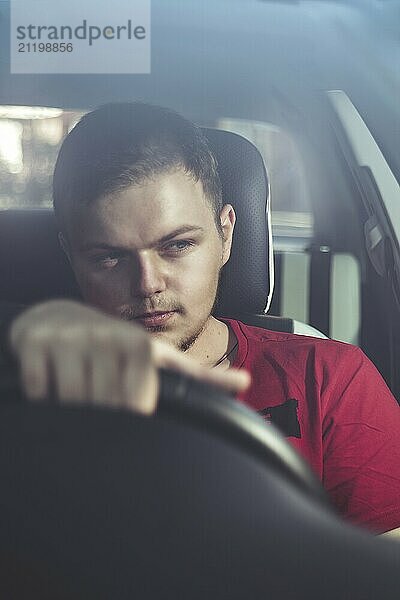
{"x":138,"y":201}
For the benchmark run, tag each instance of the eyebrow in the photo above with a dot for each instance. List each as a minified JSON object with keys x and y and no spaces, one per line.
{"x":179,"y":231}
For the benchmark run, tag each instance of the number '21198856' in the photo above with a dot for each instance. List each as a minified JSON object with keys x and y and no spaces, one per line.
{"x":45,"y":47}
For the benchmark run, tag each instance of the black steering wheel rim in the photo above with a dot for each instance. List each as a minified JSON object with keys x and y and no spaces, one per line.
{"x":201,"y":406}
{"x":200,"y":508}
{"x":205,"y":407}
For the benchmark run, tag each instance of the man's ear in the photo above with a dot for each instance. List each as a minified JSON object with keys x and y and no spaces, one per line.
{"x":228,"y":219}
{"x":65,"y":246}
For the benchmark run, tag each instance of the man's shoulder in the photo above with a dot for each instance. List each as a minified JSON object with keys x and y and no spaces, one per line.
{"x":297,"y":350}
{"x":286,"y":340}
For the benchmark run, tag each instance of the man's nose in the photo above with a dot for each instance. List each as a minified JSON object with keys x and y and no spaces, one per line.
{"x":149,"y":278}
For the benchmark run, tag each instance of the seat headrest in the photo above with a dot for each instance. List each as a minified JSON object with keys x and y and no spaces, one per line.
{"x":34,"y":268}
{"x":247,"y":279}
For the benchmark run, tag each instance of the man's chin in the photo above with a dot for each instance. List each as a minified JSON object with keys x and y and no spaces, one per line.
{"x":166,"y":334}
{"x":170,"y":331}
{"x":163,"y":332}
{"x":158,"y":329}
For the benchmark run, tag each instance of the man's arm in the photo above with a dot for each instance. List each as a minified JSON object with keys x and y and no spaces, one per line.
{"x":85,"y":356}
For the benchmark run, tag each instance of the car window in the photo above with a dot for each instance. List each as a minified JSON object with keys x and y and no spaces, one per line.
{"x":29,"y":141}
{"x":31,"y":136}
{"x":292,"y":215}
{"x":368,"y":154}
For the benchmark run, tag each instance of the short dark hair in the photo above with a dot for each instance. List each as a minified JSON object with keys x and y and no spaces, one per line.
{"x":122,"y":144}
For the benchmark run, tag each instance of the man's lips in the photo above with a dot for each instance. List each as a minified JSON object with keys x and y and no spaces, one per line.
{"x":155,"y":318}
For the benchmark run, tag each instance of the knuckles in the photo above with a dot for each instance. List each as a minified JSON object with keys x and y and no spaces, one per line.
{"x":45,"y":346}
{"x":107,"y":335}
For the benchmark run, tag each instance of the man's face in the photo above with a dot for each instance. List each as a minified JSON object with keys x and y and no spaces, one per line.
{"x":153,"y":253}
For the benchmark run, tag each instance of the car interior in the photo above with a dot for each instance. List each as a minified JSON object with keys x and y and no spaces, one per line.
{"x":329,"y":273}
{"x":315,"y":252}
{"x":221,"y":428}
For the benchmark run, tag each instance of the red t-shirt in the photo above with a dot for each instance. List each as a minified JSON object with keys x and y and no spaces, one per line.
{"x":336,"y":410}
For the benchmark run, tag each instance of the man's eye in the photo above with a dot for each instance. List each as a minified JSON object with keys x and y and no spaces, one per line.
{"x":108,"y":260}
{"x":178,"y":246}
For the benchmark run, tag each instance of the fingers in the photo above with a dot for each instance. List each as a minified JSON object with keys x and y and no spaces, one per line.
{"x":139,"y":387}
{"x":119,"y":375}
{"x":103,"y":378}
{"x":231,"y":380}
{"x":105,"y":369}
{"x":34,"y":372}
{"x":80,"y":355}
{"x":99,"y":367}
{"x":67,"y":373}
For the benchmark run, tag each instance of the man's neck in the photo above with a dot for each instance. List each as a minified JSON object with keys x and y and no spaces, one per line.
{"x":215,"y":340}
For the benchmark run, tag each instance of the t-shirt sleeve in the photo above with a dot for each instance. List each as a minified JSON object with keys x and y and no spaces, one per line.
{"x":361,"y":444}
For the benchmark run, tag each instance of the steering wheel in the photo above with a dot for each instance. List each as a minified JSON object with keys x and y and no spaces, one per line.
{"x":201,"y":406}
{"x":203,"y":500}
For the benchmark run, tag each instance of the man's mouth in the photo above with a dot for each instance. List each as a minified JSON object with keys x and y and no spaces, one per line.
{"x":156,"y":318}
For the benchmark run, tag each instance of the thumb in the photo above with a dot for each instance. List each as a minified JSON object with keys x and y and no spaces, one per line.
{"x":231,"y":380}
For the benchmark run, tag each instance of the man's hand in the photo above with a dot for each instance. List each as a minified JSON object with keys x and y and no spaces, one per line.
{"x":76,"y":353}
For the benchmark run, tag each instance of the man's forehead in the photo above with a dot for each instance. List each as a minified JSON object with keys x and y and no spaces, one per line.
{"x":146,"y":214}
